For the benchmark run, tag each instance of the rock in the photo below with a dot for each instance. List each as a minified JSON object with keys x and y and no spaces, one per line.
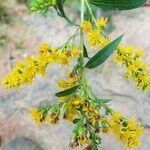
{"x":21,"y":143}
{"x":106,"y":81}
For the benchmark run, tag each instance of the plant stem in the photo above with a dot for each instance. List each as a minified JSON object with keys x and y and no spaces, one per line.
{"x":81,"y":59}
{"x":93,"y":17}
{"x":90,"y":11}
{"x":81,"y":33}
{"x":70,"y":38}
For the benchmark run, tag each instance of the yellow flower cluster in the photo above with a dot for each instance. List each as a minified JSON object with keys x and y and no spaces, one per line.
{"x":86,"y":26}
{"x":75,"y":102}
{"x":136,"y":69}
{"x":71,"y":113}
{"x":92,"y":113}
{"x":72,"y":103}
{"x":94,"y":35}
{"x":52,"y":118}
{"x":25,"y":71}
{"x":126,"y":131}
{"x":71,"y":81}
{"x":37,"y":115}
{"x":82,"y":140}
{"x":41,"y":117}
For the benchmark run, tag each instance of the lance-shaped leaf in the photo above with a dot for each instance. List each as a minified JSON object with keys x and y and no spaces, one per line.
{"x":85,"y":53}
{"x":104,"y":100}
{"x":75,"y":121}
{"x":103,"y":54}
{"x":61,"y":12}
{"x":118,"y":4}
{"x":67,"y":92}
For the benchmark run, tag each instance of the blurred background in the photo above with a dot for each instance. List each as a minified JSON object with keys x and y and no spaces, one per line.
{"x":20,"y":35}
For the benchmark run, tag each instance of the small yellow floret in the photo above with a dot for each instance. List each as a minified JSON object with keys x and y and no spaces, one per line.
{"x":86,"y":26}
{"x":71,"y":113}
{"x":71,"y":81}
{"x":37,"y":115}
{"x":52,"y":118}
{"x":102,"y":22}
{"x":94,"y":37}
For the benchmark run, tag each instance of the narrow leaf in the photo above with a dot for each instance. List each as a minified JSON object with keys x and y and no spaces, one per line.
{"x":85,"y":53}
{"x":105,"y":100}
{"x":118,"y":4}
{"x":103,"y":54}
{"x":61,"y":10}
{"x":75,"y":121}
{"x":67,"y":92}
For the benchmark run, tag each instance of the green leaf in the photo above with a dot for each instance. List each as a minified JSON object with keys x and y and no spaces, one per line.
{"x":105,"y":100}
{"x":60,"y":8}
{"x":67,"y":92}
{"x":88,"y":15}
{"x":103,"y":54}
{"x":76,"y":120}
{"x":81,"y":129}
{"x":118,"y":4}
{"x":85,"y":53}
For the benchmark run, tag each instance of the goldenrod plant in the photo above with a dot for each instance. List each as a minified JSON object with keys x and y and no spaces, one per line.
{"x":77,"y":103}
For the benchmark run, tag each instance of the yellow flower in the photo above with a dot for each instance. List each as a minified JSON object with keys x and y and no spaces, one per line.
{"x":116,"y":116}
{"x":71,"y":81}
{"x":132,"y":68}
{"x":76,"y":101}
{"x":62,"y":58}
{"x":102,"y":22}
{"x":74,"y":52}
{"x":53,"y":118}
{"x":37,"y":115}
{"x":95,"y":118}
{"x":139,"y":53}
{"x":71,"y":113}
{"x":72,"y":103}
{"x":82,"y":140}
{"x":103,"y":42}
{"x":94,"y":37}
{"x":86,"y":26}
{"x":141,"y":65}
{"x":43,"y":48}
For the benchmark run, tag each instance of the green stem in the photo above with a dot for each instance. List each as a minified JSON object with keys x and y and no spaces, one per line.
{"x":93,"y":17}
{"x":81,"y":59}
{"x":70,"y":39}
{"x":81,"y":33}
{"x":90,"y":11}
